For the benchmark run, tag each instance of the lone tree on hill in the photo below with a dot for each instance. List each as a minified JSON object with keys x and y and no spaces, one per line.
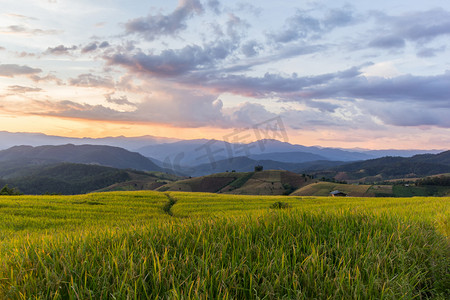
{"x":258,"y":168}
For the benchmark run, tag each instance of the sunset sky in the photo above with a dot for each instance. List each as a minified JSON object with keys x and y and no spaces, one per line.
{"x":368,"y":74}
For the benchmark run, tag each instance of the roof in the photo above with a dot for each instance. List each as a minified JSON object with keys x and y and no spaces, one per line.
{"x":336,"y":192}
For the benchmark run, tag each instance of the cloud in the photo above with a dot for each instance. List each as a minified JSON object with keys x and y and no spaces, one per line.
{"x":25,"y":54}
{"x":406,"y":114}
{"x":154,"y":26}
{"x":303,"y":25}
{"x":120,"y":100}
{"x":104,"y":44}
{"x":418,"y":27}
{"x":387,"y":42}
{"x":269,"y":85}
{"x":339,"y":18}
{"x":251,"y":48}
{"x":174,"y":62}
{"x":434,"y":90}
{"x":11,"y":70}
{"x":23,"y":89}
{"x":19,"y":16}
{"x":20,"y":29}
{"x":430,"y":52}
{"x":299,"y":26}
{"x":247,"y":114}
{"x":214,"y":5}
{"x":91,"y":47}
{"x":47,"y":78}
{"x":94,"y":46}
{"x":60,"y":50}
{"x":90,"y":80}
{"x":177,"y":107}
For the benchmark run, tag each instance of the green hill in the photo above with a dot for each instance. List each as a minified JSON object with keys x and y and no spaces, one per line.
{"x":324,"y":189}
{"x":271,"y":182}
{"x":108,"y":156}
{"x":68,"y":179}
{"x":387,"y":168}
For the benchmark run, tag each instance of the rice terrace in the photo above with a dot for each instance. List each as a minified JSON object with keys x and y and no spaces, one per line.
{"x":212,"y":149}
{"x":180,"y":245}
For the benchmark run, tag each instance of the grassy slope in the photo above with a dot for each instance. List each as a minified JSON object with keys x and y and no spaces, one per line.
{"x":271,"y":182}
{"x":324,"y":189}
{"x":126,"y":245}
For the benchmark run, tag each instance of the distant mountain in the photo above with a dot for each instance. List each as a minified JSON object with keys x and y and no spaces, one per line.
{"x":10,"y":139}
{"x":288,"y":157}
{"x":393,"y":167}
{"x":85,"y":154}
{"x":176,"y":153}
{"x":245,"y":164}
{"x":191,"y":153}
{"x":401,"y":153}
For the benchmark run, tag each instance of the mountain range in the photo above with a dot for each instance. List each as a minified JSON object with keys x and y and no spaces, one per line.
{"x":173,"y":153}
{"x":69,"y":166}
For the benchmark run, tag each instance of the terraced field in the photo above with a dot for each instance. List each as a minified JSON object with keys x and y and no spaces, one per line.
{"x":140,"y":245}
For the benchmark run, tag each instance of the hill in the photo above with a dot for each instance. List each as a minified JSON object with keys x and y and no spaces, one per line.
{"x":69,"y":178}
{"x":246,"y":164}
{"x":272,"y":182}
{"x":324,"y":188}
{"x":386,"y":168}
{"x":114,"y":157}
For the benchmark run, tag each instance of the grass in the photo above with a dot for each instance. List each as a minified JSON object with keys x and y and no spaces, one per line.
{"x":324,"y":189}
{"x":124,"y":245}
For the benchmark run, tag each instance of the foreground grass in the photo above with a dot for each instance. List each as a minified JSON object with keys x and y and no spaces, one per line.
{"x":235,"y":247}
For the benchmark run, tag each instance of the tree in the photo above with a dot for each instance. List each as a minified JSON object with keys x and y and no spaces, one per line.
{"x":6,"y":190}
{"x":258,"y":168}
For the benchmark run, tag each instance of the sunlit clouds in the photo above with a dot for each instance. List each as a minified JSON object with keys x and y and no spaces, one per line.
{"x":338,"y":74}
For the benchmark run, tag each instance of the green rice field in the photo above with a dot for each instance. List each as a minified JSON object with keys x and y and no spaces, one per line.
{"x":180,"y":245}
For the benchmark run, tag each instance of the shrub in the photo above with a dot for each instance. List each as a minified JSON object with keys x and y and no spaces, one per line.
{"x":280,"y":205}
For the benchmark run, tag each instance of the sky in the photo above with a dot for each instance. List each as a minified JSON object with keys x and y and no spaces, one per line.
{"x":349,"y":74}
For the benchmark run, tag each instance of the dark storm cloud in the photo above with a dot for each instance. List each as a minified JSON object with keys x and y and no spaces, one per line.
{"x":154,"y":26}
{"x":11,"y":70}
{"x":60,"y":50}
